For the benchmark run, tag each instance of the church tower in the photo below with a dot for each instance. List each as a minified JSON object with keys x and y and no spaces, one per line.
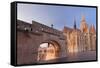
{"x":83,"y":25}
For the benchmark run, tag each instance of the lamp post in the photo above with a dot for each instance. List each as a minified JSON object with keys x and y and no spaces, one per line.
{"x":52,"y":25}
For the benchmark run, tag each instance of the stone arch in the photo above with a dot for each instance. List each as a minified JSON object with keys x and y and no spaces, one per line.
{"x":51,"y":51}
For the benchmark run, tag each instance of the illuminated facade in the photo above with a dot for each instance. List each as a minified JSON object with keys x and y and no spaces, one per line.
{"x":37,"y":43}
{"x":83,"y":39}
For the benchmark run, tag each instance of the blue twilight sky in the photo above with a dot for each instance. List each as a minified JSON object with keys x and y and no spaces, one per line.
{"x":59,"y":16}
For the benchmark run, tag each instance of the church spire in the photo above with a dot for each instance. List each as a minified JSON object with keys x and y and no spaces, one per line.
{"x":83,"y":25}
{"x":92,"y":29}
{"x":83,"y":18}
{"x":74,"y":23}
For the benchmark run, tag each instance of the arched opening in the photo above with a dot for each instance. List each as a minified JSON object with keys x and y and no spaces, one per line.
{"x":48,"y":51}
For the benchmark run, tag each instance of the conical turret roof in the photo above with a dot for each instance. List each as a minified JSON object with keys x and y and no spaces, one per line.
{"x":92,"y":29}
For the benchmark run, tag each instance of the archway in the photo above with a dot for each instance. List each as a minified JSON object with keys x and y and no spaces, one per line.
{"x":48,"y":51}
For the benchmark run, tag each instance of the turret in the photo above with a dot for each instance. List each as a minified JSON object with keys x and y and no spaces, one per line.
{"x":92,"y":29}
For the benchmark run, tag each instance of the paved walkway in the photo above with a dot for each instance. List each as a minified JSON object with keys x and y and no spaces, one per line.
{"x":81,"y":56}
